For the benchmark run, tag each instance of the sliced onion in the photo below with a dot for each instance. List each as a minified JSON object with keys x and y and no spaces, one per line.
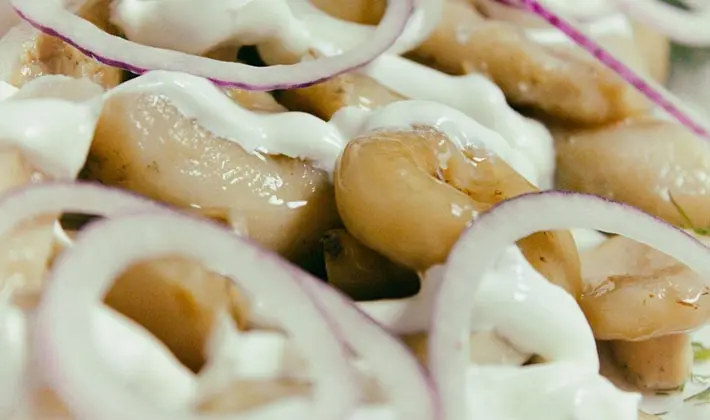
{"x":485,"y":240}
{"x":53,"y":18}
{"x":426,"y":16}
{"x":26,"y":202}
{"x":392,"y":364}
{"x":652,"y":90}
{"x":82,"y":276}
{"x":690,"y":28}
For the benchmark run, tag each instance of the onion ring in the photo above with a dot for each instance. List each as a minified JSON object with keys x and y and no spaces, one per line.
{"x":82,"y":275}
{"x":54,"y":19}
{"x":425,"y":17}
{"x":28,"y":201}
{"x":503,"y":225}
{"x":399,"y":373}
{"x":411,"y":391}
{"x":652,"y":90}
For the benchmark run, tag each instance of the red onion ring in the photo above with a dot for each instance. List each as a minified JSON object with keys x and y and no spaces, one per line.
{"x":652,"y":90}
{"x":83,"y":274}
{"x":685,"y":27}
{"x":411,"y":390}
{"x":53,"y":197}
{"x":53,"y":18}
{"x":503,"y":225}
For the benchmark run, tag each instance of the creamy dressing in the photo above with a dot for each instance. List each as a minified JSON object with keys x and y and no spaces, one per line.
{"x":535,"y":317}
{"x":53,"y":134}
{"x":477,"y":97}
{"x":138,"y":360}
{"x":301,"y":135}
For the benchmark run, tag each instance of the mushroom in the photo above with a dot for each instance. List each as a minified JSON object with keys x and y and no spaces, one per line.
{"x":644,"y":302}
{"x":326,"y":98}
{"x":362,"y":273}
{"x":144,"y":144}
{"x":387,"y":182}
{"x":27,"y":54}
{"x":563,"y":82}
{"x":655,"y":165}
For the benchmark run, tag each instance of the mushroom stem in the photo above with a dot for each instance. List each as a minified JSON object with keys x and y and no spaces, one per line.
{"x":658,"y":364}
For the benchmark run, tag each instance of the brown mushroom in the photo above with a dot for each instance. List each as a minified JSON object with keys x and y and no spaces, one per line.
{"x":644,"y":302}
{"x":643,"y":162}
{"x":28,"y":53}
{"x":326,"y":98}
{"x":362,"y":273}
{"x":144,"y":144}
{"x":388,"y":182}
{"x":561,"y":81}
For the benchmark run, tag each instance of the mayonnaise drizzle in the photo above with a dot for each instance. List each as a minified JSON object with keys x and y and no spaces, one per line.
{"x":54,"y":133}
{"x":301,"y":135}
{"x":293,"y":134}
{"x":475,"y":96}
{"x":534,"y":316}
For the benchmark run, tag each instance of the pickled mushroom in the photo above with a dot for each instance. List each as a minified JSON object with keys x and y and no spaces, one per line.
{"x":144,"y":144}
{"x":422,"y":180}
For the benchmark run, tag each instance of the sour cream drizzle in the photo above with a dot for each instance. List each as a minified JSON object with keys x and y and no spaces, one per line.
{"x":535,"y":317}
{"x":301,"y":135}
{"x":475,"y":96}
{"x":54,"y":134}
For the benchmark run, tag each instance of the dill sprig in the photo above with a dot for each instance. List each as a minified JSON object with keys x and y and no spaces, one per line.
{"x":686,"y":218}
{"x":701,"y":353}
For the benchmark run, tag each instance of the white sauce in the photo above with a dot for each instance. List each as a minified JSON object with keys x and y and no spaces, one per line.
{"x":301,"y":135}
{"x":477,"y":97}
{"x":536,"y":317}
{"x":53,"y":134}
{"x":137,"y":359}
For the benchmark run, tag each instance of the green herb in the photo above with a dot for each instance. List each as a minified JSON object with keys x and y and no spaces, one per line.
{"x":684,"y":216}
{"x":700,"y":352}
{"x":701,"y":398}
{"x":700,"y":379}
